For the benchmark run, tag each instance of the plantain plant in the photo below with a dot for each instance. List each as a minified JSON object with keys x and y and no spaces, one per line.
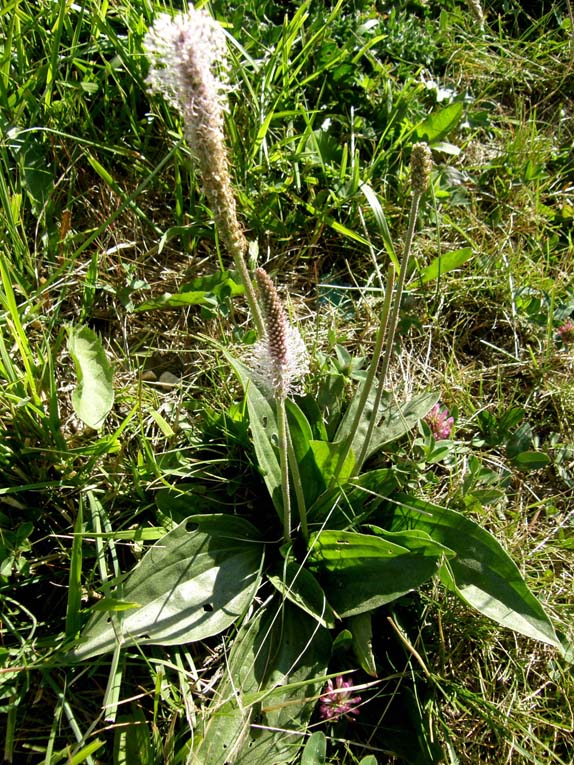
{"x":340,"y":534}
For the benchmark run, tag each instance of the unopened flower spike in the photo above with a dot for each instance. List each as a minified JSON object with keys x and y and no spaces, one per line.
{"x":279,"y":360}
{"x":421,"y":166}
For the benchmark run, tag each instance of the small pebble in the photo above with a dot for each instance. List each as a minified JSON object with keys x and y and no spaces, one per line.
{"x":169,"y":380}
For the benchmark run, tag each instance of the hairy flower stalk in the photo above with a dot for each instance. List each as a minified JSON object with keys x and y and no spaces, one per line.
{"x":421,"y":166}
{"x":279,"y":361}
{"x":189,"y":67}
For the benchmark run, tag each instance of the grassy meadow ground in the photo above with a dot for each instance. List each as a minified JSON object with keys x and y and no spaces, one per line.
{"x":102,"y":215}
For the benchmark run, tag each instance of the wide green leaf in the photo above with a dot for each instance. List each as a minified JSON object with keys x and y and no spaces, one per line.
{"x":93,"y":396}
{"x":362,"y":630}
{"x":263,"y":426}
{"x":300,"y":587}
{"x":360,"y":572}
{"x":393,"y":420}
{"x":444,"y":263}
{"x":204,"y":290}
{"x":317,"y":459}
{"x":357,"y":498}
{"x":440,"y":123}
{"x":315,"y":751}
{"x":193,"y":583}
{"x":482,"y":573}
{"x":272,"y":680}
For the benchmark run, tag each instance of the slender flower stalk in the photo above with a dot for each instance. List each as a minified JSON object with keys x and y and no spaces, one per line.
{"x":421,"y":166}
{"x":189,"y":67}
{"x":278,"y":362}
{"x":371,"y":372}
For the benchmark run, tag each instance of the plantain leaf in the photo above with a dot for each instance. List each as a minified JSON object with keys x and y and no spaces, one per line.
{"x":440,"y":123}
{"x":203,"y":290}
{"x":315,"y":751}
{"x":193,"y":583}
{"x":300,"y":587}
{"x":272,"y":680}
{"x":263,"y":426}
{"x":93,"y":396}
{"x":360,"y":572}
{"x":359,"y":497}
{"x":482,"y":573}
{"x":361,"y":629}
{"x":444,"y":263}
{"x":317,"y":458}
{"x":394,"y":420}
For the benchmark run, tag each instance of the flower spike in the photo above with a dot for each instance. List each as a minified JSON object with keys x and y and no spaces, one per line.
{"x":280,"y":359}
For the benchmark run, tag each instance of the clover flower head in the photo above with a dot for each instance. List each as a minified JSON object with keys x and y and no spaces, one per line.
{"x":279,"y":360}
{"x":439,"y":422}
{"x":566,"y":332}
{"x":338,"y":700}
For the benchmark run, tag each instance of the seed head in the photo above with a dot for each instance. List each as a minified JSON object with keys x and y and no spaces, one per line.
{"x":188,"y":64}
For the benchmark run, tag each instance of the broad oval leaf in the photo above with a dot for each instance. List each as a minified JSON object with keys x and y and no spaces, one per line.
{"x":300,"y":587}
{"x":263,"y":426}
{"x":439,"y":124}
{"x":360,"y":572}
{"x":362,"y":630}
{"x":193,"y":583}
{"x":315,"y":751}
{"x":394,"y":420}
{"x":531,"y":460}
{"x":445,"y":263}
{"x":93,"y":396}
{"x":273,"y":677}
{"x":482,"y":574}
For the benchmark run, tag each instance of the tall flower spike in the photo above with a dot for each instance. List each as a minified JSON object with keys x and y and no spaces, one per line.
{"x":279,"y":360}
{"x":189,"y":67}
